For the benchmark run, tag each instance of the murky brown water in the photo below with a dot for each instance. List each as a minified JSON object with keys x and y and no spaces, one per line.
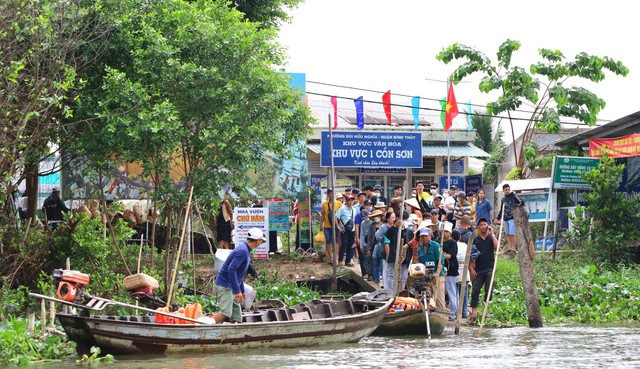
{"x":551,"y":347}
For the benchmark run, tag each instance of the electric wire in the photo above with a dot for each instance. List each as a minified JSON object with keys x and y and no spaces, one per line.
{"x":431,"y":99}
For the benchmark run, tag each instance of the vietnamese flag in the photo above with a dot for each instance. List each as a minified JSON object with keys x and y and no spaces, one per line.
{"x":451,"y":109}
{"x":386,"y":102}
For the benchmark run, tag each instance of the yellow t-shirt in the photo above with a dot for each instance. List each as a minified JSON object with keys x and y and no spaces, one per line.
{"x":325,"y":212}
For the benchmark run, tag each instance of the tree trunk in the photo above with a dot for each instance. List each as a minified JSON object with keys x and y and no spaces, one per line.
{"x":31,"y":179}
{"x":524,"y":244}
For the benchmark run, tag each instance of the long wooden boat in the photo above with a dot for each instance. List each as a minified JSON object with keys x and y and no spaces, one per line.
{"x":412,"y":322}
{"x":312,"y":323}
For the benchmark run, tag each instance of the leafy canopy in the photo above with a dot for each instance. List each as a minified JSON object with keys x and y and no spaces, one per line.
{"x":544,"y":85}
{"x":189,"y":86}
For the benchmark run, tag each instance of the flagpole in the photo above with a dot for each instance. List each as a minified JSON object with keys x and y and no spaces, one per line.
{"x":448,"y":143}
{"x":332,"y":210}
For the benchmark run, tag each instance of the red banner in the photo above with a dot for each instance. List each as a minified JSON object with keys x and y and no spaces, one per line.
{"x":621,"y":147}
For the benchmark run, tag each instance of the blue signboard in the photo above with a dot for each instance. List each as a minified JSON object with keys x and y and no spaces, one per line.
{"x":458,"y":181}
{"x":457,"y":166}
{"x":372,"y":149}
{"x":473,"y":183}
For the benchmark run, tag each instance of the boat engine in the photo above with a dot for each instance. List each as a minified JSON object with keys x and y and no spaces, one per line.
{"x":423,"y":275}
{"x":70,"y":284}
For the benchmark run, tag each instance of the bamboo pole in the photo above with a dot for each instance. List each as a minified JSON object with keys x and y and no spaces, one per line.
{"x":440,"y":266}
{"x":397,"y":278}
{"x":175,"y":265}
{"x":463,"y":286}
{"x":43,"y":312}
{"x":493,"y":274}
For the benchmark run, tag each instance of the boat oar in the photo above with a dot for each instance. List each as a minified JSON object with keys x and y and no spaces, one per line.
{"x":463,"y":285}
{"x":99,"y":303}
{"x":426,"y":316}
{"x":493,"y":274}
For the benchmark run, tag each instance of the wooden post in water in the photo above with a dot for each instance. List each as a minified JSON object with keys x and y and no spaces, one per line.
{"x":525,"y":244}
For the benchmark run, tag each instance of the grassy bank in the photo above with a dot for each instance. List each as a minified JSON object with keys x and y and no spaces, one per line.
{"x":571,"y":291}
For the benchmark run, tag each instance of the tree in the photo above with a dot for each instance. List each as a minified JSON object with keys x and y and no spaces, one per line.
{"x":609,"y":221}
{"x":545,"y":86}
{"x":497,"y":150}
{"x":187,"y":86}
{"x":267,"y":13}
{"x":39,"y":64}
{"x":483,"y":124}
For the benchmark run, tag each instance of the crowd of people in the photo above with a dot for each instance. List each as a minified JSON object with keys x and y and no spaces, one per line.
{"x":435,"y":228}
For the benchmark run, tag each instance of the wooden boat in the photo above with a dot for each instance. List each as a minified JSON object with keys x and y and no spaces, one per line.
{"x":313,"y":323}
{"x":412,"y":322}
{"x":407,"y":322}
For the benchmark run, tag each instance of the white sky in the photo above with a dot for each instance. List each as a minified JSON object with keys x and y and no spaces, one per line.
{"x":383,"y":44}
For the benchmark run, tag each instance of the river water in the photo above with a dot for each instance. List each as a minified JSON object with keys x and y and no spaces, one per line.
{"x":520,"y":347}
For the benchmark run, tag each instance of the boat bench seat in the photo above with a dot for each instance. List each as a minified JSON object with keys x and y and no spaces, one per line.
{"x":132,"y":318}
{"x":344,"y":307}
{"x":271,"y":315}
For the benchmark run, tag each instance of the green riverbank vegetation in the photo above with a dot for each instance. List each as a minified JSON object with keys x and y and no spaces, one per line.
{"x":572,"y":290}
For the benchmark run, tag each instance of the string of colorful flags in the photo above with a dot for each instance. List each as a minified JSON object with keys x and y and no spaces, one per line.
{"x":448,"y":105}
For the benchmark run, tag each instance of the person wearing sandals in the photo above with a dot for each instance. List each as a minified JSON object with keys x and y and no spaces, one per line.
{"x":481,"y":264}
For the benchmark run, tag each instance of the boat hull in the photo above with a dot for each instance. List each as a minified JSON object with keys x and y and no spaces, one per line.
{"x":132,"y":335}
{"x":412,"y":322}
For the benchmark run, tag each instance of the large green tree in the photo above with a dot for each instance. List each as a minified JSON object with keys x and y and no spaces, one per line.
{"x":545,"y":85}
{"x":39,"y":64}
{"x":190,"y":80}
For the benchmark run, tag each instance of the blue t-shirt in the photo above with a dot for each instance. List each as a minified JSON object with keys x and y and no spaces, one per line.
{"x":234,"y":268}
{"x":483,"y":210}
{"x":345,"y":214}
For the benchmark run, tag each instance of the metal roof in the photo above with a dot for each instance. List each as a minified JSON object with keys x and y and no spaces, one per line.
{"x":617,"y":128}
{"x":458,"y":150}
{"x":432,"y":150}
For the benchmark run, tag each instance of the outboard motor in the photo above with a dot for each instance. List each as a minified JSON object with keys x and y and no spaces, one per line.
{"x":70,"y":284}
{"x":423,"y":275}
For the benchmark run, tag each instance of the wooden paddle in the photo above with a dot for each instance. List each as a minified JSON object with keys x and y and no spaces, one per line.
{"x":493,"y":274}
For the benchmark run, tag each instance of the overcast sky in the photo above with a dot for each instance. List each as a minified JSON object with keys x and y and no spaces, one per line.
{"x":385,"y":45}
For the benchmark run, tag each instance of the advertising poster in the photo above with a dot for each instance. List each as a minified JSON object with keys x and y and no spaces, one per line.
{"x":278,"y":215}
{"x":304,"y":223}
{"x":247,"y":218}
{"x":536,"y":204}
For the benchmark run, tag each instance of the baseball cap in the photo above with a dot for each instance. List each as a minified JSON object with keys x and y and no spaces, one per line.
{"x":461,"y":193}
{"x":329,"y":190}
{"x":483,"y":219}
{"x":425,"y":232}
{"x":55,"y":189}
{"x":377,"y":187}
{"x":453,"y":187}
{"x":256,"y":234}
